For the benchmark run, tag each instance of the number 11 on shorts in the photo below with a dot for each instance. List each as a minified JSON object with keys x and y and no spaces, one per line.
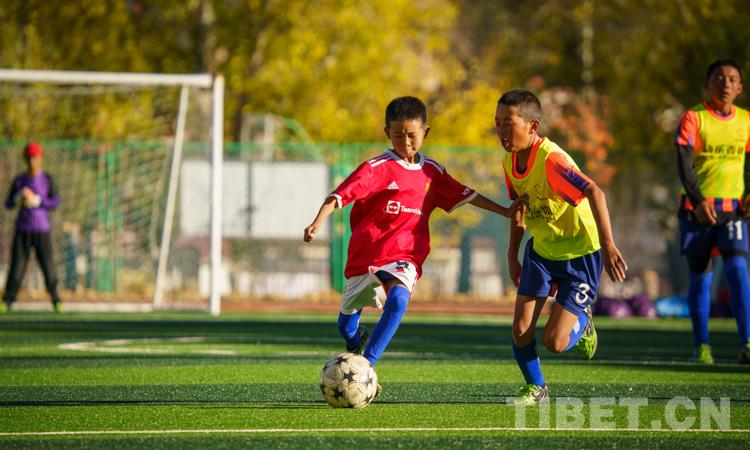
{"x":735,"y":230}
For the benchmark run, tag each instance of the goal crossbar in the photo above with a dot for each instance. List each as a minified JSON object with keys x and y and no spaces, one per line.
{"x":201,"y":80}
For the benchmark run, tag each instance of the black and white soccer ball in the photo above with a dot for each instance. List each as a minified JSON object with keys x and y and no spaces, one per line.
{"x":348,"y":381}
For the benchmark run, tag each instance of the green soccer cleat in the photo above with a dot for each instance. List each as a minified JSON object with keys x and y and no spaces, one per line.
{"x":57,"y":307}
{"x":4,"y":308}
{"x":531,"y":395}
{"x":703,"y":355}
{"x":589,"y":340}
{"x":745,"y":354}
{"x":363,"y":335}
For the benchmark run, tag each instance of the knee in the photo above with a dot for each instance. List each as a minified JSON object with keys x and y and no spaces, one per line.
{"x":398,"y":299}
{"x":522,"y":333}
{"x":555,"y":342}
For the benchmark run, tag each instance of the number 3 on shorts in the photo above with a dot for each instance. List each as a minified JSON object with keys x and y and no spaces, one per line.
{"x":583,"y":294}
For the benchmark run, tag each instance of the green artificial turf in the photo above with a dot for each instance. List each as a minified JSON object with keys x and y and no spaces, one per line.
{"x":182,"y":380}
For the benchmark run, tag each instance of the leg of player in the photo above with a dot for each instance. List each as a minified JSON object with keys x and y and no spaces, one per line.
{"x":699,"y":303}
{"x":735,"y":269}
{"x":697,"y":242}
{"x":19,"y":260}
{"x":42,"y":244}
{"x":525,"y":316}
{"x":349,"y":329}
{"x":583,"y":335}
{"x":563,"y":329}
{"x":395,"y":306}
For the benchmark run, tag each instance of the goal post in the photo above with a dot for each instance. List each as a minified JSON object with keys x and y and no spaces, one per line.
{"x":217,"y":177}
{"x":116,"y":80}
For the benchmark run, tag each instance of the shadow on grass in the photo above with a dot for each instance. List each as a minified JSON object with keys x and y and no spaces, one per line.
{"x":655,"y":348}
{"x":433,"y":440}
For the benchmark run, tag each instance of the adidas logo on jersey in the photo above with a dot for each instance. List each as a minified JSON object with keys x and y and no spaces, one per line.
{"x":393,"y":186}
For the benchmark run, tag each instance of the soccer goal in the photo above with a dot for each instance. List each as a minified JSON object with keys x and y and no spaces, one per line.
{"x":116,"y":145}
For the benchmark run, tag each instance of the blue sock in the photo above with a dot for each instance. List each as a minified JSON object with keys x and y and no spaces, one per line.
{"x":348,"y":324}
{"x":528,"y":362}
{"x":735,"y":269}
{"x":577,"y":331}
{"x":393,"y":311}
{"x":699,"y":301}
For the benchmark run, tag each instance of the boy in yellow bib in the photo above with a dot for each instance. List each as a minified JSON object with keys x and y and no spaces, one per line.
{"x":571,"y":237}
{"x":712,"y":141}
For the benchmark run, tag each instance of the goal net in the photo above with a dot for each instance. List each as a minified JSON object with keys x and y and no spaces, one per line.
{"x":115,"y":146}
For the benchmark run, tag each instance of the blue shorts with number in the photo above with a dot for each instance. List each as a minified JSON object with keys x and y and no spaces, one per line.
{"x":577,"y":279}
{"x":698,"y":240}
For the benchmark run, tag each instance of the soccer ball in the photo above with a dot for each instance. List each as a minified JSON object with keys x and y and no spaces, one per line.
{"x":348,"y":381}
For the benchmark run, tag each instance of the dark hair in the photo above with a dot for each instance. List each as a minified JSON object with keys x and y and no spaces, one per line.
{"x":726,"y":62}
{"x":528,"y":104}
{"x":405,"y":108}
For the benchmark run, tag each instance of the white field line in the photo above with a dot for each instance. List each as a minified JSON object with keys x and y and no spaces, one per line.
{"x":117,"y":346}
{"x":358,"y":430}
{"x":101,"y":346}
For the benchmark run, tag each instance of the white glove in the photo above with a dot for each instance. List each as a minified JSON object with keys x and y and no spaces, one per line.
{"x":32,"y":201}
{"x":36,"y":201}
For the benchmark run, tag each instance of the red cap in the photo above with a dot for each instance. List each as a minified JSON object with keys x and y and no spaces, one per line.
{"x":32,"y":149}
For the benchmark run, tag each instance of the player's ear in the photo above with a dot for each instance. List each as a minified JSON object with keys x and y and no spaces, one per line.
{"x":534,"y":126}
{"x":387,"y":133}
{"x":426,"y":129}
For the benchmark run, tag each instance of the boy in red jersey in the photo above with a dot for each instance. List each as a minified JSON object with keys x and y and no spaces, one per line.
{"x":712,"y":141}
{"x":394,"y":195}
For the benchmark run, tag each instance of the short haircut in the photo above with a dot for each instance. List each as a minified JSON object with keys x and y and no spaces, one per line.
{"x":725,"y":62}
{"x":405,"y":108}
{"x":527,"y":103}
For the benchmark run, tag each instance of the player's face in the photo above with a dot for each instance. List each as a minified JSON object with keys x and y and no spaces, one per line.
{"x":724,"y":85}
{"x":514,"y":132}
{"x":407,"y":137}
{"x":35,"y":163}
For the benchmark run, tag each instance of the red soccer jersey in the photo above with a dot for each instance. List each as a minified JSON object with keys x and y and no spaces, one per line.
{"x":393,"y":202}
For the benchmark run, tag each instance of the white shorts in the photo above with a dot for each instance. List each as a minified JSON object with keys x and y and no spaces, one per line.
{"x":367,"y":289}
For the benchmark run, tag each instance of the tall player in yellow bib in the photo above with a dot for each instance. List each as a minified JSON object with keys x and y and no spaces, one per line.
{"x":571,"y":237}
{"x":712,"y":141}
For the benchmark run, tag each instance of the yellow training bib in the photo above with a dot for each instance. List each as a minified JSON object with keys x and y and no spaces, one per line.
{"x":560,"y":230}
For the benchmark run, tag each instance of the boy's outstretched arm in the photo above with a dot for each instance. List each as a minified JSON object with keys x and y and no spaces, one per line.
{"x":325,"y":210}
{"x":614,"y":262}
{"x":480,"y":201}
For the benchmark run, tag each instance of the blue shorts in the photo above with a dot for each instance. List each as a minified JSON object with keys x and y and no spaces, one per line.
{"x":698,"y":240}
{"x":577,"y":279}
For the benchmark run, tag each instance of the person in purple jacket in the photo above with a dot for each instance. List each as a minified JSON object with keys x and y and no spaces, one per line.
{"x":34,"y":192}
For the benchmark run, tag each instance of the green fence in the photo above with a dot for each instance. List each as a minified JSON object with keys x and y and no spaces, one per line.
{"x":109,"y":224}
